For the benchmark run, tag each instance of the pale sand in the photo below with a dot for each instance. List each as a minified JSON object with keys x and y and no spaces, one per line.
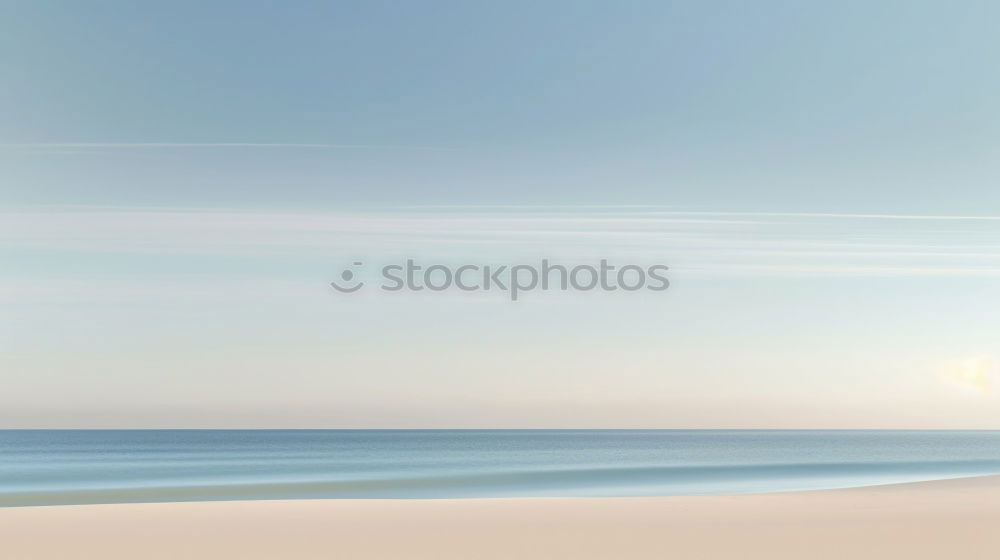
{"x":957,"y":519}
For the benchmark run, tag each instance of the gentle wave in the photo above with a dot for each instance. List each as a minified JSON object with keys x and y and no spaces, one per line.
{"x":87,"y":467}
{"x":575,"y":482}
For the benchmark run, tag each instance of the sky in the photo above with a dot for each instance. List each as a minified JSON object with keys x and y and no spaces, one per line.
{"x":180,"y":182}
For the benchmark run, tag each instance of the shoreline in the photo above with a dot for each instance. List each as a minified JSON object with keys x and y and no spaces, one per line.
{"x":960,"y":479}
{"x":929,"y":519}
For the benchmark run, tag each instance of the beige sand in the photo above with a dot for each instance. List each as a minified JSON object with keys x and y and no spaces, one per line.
{"x":946,"y":519}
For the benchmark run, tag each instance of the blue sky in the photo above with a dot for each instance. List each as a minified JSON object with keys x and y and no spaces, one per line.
{"x":180,"y":181}
{"x":853,"y":106}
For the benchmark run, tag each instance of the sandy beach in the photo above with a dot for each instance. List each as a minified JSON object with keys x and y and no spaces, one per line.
{"x":953,"y":518}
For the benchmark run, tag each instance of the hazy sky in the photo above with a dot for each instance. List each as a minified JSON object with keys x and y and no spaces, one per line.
{"x":179,"y":182}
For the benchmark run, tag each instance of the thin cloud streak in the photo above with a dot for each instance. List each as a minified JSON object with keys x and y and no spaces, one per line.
{"x":834,"y":215}
{"x":776,"y":243}
{"x":196,"y":145}
{"x":643,"y":209}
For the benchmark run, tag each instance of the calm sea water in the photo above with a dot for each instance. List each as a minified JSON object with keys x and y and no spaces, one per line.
{"x":104,"y":466}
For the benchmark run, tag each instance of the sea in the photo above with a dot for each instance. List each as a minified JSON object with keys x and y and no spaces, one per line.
{"x":52,"y":467}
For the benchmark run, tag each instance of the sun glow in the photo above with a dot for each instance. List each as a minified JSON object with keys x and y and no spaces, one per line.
{"x":974,"y":373}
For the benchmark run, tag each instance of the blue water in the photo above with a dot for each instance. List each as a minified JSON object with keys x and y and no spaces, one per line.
{"x":45,"y":467}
